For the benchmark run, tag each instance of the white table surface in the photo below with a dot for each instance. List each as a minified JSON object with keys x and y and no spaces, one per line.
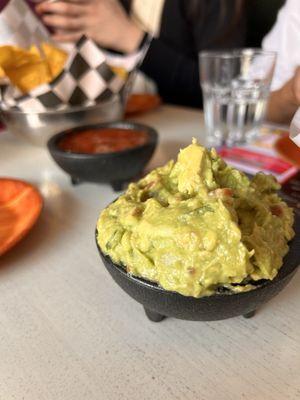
{"x":67,"y":332}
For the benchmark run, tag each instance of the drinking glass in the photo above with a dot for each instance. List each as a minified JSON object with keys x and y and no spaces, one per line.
{"x":235,"y":86}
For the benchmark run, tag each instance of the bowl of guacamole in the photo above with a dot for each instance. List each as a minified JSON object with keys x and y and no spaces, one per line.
{"x":196,"y":230}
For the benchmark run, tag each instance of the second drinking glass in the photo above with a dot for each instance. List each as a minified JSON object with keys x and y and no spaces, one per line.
{"x":235,"y":86}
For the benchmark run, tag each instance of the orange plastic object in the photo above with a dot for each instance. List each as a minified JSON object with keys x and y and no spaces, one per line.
{"x":139,"y":103}
{"x":288,"y":149}
{"x":20,"y":207}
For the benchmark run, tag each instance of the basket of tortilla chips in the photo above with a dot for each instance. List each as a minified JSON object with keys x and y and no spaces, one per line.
{"x":45,"y":89}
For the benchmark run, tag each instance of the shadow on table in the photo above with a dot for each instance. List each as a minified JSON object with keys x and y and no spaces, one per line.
{"x":49,"y":231}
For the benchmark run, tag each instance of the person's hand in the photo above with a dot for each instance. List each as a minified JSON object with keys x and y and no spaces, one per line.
{"x":104,"y":21}
{"x":284,"y":102}
{"x":292,"y":88}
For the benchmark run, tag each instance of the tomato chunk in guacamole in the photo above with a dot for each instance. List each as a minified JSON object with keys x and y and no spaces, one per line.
{"x":197,"y":225}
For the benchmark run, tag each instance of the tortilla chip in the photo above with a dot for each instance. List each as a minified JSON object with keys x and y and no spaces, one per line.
{"x":121,"y":72}
{"x":56,"y":58}
{"x":27,"y":69}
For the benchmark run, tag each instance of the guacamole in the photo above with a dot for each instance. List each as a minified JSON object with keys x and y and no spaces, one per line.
{"x":198,"y":226}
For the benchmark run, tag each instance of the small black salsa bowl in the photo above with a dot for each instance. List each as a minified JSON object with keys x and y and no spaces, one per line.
{"x":115,"y":168}
{"x":160,"y":303}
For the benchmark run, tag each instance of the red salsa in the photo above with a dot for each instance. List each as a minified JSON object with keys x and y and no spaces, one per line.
{"x":108,"y":140}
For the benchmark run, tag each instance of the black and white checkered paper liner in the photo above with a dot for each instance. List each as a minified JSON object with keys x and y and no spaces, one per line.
{"x":86,"y":80}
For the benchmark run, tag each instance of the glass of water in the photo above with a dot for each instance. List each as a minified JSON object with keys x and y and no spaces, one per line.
{"x":235,"y":86}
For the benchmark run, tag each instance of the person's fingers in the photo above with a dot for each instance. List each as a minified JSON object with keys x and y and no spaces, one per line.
{"x":61,"y":8}
{"x":66,"y":37}
{"x":67,"y":23}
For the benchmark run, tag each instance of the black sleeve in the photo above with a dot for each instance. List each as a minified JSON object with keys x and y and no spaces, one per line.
{"x":176,"y":75}
{"x":172,"y":59}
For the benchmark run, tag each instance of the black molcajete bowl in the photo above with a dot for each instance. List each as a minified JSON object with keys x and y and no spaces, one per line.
{"x":115,"y":168}
{"x":159,"y":303}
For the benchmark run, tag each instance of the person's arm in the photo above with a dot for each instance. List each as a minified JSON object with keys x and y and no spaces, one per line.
{"x":176,"y":76}
{"x":284,"y":38}
{"x":284,"y":102}
{"x":175,"y":73}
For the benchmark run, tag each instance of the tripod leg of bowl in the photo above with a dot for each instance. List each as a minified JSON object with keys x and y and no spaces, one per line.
{"x":75,"y":181}
{"x":250,"y":314}
{"x":117,"y":186}
{"x":153,"y":316}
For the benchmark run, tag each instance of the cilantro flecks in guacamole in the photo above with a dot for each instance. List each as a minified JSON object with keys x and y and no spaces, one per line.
{"x":197,"y":225}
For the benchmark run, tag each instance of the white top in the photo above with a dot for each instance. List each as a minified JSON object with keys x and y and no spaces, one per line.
{"x":148,"y":13}
{"x":284,"y":38}
{"x":68,"y":332}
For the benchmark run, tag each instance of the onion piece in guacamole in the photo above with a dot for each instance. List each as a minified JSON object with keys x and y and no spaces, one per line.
{"x":197,"y":225}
